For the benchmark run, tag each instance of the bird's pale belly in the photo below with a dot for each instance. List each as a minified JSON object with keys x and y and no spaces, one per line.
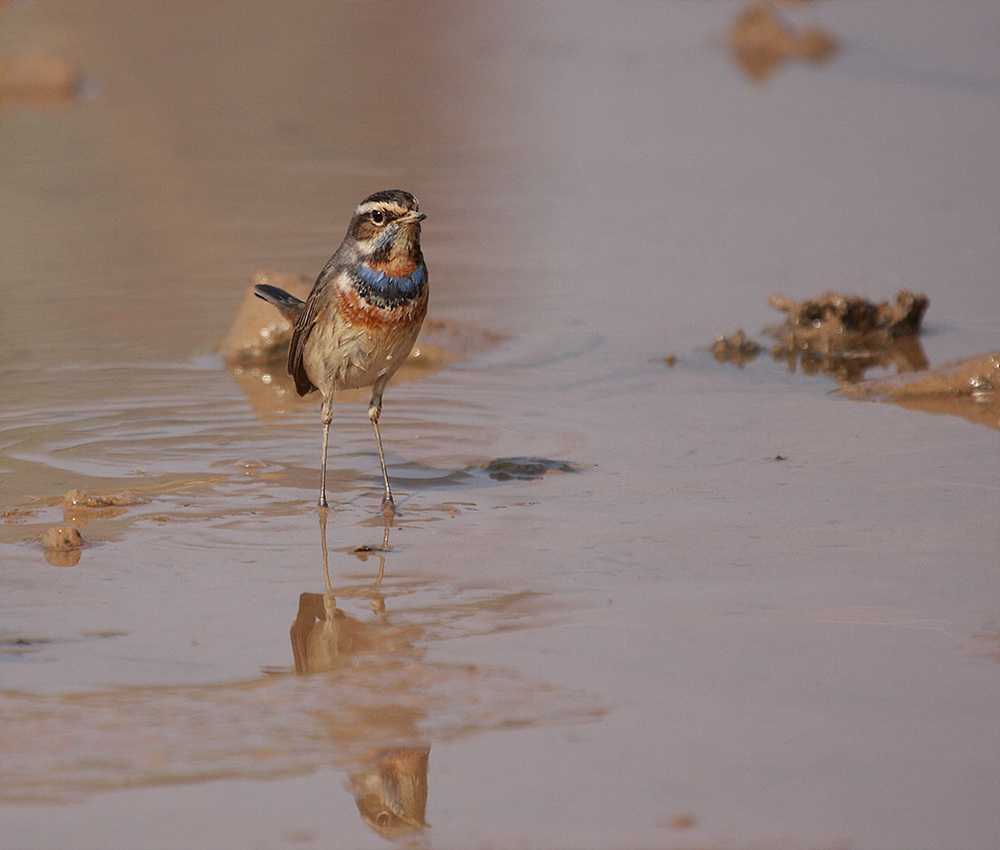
{"x":348,"y":356}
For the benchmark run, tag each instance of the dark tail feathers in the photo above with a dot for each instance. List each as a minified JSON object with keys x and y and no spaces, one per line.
{"x":288,"y":305}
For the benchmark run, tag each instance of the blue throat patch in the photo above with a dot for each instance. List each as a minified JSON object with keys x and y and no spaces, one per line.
{"x":385,"y":291}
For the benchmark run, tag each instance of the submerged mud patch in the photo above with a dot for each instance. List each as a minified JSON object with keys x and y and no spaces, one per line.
{"x":524,"y":468}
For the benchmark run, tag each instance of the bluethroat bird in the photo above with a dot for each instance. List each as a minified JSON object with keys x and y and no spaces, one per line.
{"x":363,"y":314}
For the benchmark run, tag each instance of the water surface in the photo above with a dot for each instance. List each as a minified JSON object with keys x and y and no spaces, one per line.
{"x":727,"y":609}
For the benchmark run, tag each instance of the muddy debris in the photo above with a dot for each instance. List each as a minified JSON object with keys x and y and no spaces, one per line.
{"x":16,"y":515}
{"x":846,"y":335}
{"x":968,"y":388}
{"x":736,"y":348}
{"x":761,"y":42}
{"x":834,"y":314}
{"x":121,"y":499}
{"x":62,"y":546}
{"x":36,"y":79}
{"x":63,"y":538}
{"x":974,"y":377}
{"x":840,"y":335}
{"x":80,"y":507}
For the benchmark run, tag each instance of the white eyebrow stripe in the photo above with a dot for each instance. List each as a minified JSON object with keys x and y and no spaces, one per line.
{"x":394,"y":209}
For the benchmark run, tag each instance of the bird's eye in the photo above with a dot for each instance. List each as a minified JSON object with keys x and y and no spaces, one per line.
{"x":378,"y":216}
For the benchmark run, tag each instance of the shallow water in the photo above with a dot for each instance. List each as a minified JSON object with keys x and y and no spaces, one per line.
{"x":729,"y":609}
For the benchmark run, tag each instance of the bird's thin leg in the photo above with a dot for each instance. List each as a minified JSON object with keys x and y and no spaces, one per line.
{"x":327,"y":414}
{"x":374,"y":411}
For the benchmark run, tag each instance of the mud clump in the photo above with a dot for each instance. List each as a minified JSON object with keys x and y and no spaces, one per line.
{"x":761,"y":42}
{"x":37,"y":80}
{"x":842,"y":335}
{"x":845,"y":335}
{"x":81,"y":508}
{"x":62,"y":546}
{"x":63,"y":539}
{"x":16,"y":515}
{"x":736,"y":348}
{"x":834,"y":314}
{"x":123,"y":499}
{"x":975,"y":377}
{"x":968,"y":388}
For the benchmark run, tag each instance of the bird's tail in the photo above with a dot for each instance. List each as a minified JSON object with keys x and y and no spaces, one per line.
{"x":288,"y":305}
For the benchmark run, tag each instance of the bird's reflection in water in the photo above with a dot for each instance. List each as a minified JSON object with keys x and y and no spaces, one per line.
{"x":390,"y":785}
{"x":391,"y":792}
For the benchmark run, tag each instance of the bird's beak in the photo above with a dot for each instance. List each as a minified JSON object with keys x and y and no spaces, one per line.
{"x":413,"y":217}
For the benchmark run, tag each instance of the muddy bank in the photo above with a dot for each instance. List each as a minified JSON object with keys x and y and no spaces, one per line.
{"x":968,"y":388}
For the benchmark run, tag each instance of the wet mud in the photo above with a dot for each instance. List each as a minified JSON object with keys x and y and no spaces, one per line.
{"x":761,"y":41}
{"x":630,"y":598}
{"x":969,"y":388}
{"x":737,"y":348}
{"x":33,"y":81}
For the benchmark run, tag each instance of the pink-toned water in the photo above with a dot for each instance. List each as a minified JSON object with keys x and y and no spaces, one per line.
{"x":670,"y":638}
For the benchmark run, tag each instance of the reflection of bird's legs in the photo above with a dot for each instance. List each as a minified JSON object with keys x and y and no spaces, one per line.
{"x":387,"y":517}
{"x":385,"y":536}
{"x":326,"y":557}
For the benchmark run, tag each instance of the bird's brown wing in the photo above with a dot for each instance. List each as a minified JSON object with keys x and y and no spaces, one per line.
{"x":314,"y":308}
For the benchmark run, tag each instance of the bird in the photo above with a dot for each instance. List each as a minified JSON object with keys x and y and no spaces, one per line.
{"x":363,"y":314}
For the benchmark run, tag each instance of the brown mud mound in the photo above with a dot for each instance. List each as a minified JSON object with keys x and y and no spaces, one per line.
{"x":844,"y":335}
{"x":34,"y":80}
{"x":841,"y":335}
{"x":833,"y":315}
{"x":969,"y":388}
{"x":121,"y":499}
{"x":62,"y":546}
{"x":259,"y":333}
{"x":736,"y":348}
{"x":761,"y":42}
